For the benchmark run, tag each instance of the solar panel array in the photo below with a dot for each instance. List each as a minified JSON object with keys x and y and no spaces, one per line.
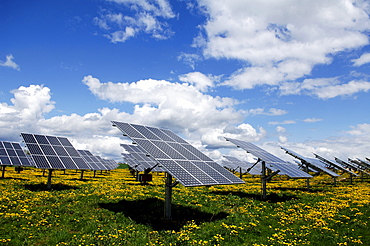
{"x":351,"y":165}
{"x":311,"y":162}
{"x":138,"y":159}
{"x":94,"y":163}
{"x":50,"y":152}
{"x":333,"y":164}
{"x":256,"y":170}
{"x":110,"y":164}
{"x":272,"y":162}
{"x":12,"y":154}
{"x":188,"y":165}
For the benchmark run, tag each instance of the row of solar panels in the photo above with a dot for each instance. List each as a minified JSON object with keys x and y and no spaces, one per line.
{"x":50,"y":152}
{"x":320,"y":164}
{"x":155,"y":146}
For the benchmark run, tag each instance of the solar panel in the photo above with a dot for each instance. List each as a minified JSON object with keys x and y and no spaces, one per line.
{"x":94,"y":162}
{"x":12,"y":154}
{"x":349,"y":165}
{"x":312,"y":163}
{"x":256,"y":170}
{"x":142,"y":160}
{"x":111,"y":164}
{"x":364,"y":163}
{"x":49,"y":152}
{"x":272,"y":162}
{"x":188,"y":165}
{"x":331,"y":163}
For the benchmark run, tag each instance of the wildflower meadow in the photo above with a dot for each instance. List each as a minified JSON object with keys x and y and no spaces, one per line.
{"x":114,"y":209}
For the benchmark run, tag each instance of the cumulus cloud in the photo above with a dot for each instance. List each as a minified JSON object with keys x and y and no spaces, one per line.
{"x":150,"y":18}
{"x":325,"y":88}
{"x":165,"y":103}
{"x":28,"y":107}
{"x":364,"y":59}
{"x":10,"y":63}
{"x":281,"y":40}
{"x":201,"y":81}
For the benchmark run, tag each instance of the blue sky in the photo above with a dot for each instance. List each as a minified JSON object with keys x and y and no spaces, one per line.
{"x":291,"y":73}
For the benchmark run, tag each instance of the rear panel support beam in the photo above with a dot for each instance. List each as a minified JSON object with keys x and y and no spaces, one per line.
{"x":49,"y":179}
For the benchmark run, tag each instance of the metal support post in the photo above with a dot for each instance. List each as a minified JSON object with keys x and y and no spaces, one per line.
{"x":168,"y":200}
{"x":82,"y":175}
{"x":3,"y":172}
{"x":264,"y":196}
{"x":350,"y":179}
{"x":240,"y":173}
{"x":307,"y":179}
{"x":94,"y":173}
{"x":49,"y":179}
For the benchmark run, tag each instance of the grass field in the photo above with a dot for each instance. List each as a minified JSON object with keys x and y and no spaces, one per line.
{"x":113,"y":209}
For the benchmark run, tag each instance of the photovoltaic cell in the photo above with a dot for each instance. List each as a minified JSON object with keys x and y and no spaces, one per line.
{"x":272,"y":162}
{"x":11,"y":154}
{"x":180,"y":159}
{"x":50,"y":152}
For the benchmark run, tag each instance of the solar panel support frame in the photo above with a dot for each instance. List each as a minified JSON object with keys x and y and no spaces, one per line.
{"x":264,"y":181}
{"x":168,"y":196}
{"x":48,"y":186}
{"x":3,"y":171}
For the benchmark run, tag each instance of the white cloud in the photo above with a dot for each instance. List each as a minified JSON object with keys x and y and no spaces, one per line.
{"x":149,"y":18}
{"x":280,"y":129}
{"x":312,"y":120}
{"x":342,"y":90}
{"x":201,"y":81}
{"x":29,"y":106}
{"x":364,"y":59}
{"x":280,"y":40}
{"x":324,"y":88}
{"x":173,"y":105}
{"x":283,"y":139}
{"x":270,"y":112}
{"x":189,"y":59}
{"x":10,"y":63}
{"x":285,"y":122}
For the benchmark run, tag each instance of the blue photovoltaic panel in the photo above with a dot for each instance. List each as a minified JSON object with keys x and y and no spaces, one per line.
{"x":335,"y":165}
{"x":50,"y":152}
{"x":272,"y":162}
{"x":256,"y":170}
{"x":12,"y":154}
{"x":94,"y":163}
{"x":312,"y":163}
{"x":180,"y":159}
{"x":350,"y":165}
{"x":139,"y":159}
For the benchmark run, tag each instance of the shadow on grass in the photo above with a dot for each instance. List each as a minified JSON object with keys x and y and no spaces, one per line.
{"x":43,"y":187}
{"x":150,"y":212}
{"x":12,"y":178}
{"x":272,"y":198}
{"x":311,"y":190}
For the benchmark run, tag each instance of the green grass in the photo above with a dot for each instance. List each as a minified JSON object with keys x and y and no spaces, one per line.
{"x":113,"y":209}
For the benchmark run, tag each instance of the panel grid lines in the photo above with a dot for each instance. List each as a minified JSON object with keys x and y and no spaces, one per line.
{"x":12,"y":154}
{"x":187,"y":164}
{"x":50,"y":152}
